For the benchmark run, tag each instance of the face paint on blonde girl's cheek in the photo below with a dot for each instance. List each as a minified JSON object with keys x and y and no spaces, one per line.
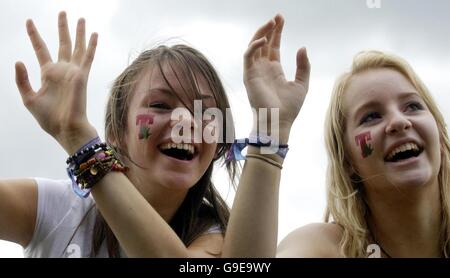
{"x":361,"y":141}
{"x":144,"y":121}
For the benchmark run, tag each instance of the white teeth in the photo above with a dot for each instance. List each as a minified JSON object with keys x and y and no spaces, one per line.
{"x":402,"y":148}
{"x":188,"y":147}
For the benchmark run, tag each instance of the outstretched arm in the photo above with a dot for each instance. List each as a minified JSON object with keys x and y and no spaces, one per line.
{"x":59,"y":106}
{"x":253,"y":226}
{"x":18,"y":197}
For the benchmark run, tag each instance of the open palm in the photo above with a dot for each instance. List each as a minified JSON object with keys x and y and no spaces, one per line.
{"x":59,"y":105}
{"x":264,"y":78}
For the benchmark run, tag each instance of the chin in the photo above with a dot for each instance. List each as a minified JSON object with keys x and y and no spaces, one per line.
{"x":178,"y":182}
{"x":412,"y":179}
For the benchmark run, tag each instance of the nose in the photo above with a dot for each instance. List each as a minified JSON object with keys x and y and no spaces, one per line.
{"x":184,"y":125}
{"x":184,"y":119}
{"x":398,"y":123}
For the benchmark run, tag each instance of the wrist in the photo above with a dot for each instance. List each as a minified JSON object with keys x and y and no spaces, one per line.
{"x":73,"y":141}
{"x":257,"y":151}
{"x":281,"y":135}
{"x":284,"y":134}
{"x":90,"y":164}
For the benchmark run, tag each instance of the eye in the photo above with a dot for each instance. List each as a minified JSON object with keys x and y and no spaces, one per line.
{"x":414,"y":106}
{"x":159,"y":105}
{"x":207,"y":111}
{"x":369,"y":117}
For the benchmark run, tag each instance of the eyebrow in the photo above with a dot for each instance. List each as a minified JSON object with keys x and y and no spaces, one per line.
{"x":165,"y":91}
{"x":373,"y":103}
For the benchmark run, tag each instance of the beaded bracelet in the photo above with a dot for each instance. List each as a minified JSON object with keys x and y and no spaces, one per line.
{"x":86,"y":151}
{"x":97,"y":168}
{"x":89,"y":165}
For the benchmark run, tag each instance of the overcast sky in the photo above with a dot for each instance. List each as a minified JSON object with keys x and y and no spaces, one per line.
{"x":332,"y":30}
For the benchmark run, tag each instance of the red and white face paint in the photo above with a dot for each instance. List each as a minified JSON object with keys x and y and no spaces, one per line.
{"x":144,"y":121}
{"x":362,"y":142}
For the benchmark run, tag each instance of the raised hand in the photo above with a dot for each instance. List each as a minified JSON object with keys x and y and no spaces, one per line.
{"x":59,"y":105}
{"x":264,"y":78}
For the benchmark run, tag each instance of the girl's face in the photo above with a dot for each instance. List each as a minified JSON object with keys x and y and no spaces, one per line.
{"x":149,"y":134}
{"x":391,"y":136}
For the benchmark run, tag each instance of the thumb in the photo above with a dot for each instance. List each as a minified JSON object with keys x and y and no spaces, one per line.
{"x":303,"y":67}
{"x":23,"y":83}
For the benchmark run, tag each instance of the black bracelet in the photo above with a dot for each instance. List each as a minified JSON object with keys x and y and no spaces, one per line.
{"x":82,"y":155}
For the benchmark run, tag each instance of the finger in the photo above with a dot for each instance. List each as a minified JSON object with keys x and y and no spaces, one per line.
{"x":265,"y":49}
{"x":303,"y":68}
{"x":39,"y":46}
{"x":80,"y":41}
{"x":90,"y":53}
{"x":261,"y":32}
{"x":23,"y":83}
{"x":254,"y":47}
{"x":276,"y":39}
{"x":65,"y":44}
{"x":257,"y":52}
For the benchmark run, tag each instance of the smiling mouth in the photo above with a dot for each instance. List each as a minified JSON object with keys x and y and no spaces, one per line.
{"x":404,"y":152}
{"x":185,"y":152}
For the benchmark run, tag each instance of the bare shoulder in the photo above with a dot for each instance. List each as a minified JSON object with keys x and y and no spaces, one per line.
{"x":207,"y":245}
{"x":318,"y":240}
{"x":18,"y":206}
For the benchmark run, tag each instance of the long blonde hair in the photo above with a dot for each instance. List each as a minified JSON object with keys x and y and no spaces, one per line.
{"x":345,"y":203}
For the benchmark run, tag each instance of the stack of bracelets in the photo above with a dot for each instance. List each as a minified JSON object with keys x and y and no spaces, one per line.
{"x":90,"y":164}
{"x":259,"y":141}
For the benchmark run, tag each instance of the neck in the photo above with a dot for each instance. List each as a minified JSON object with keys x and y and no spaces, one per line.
{"x":407,"y":223}
{"x":164,"y":200}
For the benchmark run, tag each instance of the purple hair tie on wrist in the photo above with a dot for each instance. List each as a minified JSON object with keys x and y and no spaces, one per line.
{"x":75,"y":159}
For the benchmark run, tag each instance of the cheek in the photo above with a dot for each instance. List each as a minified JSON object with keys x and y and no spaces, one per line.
{"x":429,"y":131}
{"x":143,"y":124}
{"x":362,"y":142}
{"x":209,"y":152}
{"x":436,"y":135}
{"x":436,"y":140}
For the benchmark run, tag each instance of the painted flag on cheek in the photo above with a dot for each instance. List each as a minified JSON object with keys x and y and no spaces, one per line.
{"x":144,"y":121}
{"x":361,"y":141}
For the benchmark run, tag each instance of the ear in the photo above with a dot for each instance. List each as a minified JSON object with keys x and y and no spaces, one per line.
{"x":113,"y":142}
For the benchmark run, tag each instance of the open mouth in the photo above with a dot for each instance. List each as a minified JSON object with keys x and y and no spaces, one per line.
{"x":184,"y":152}
{"x":404,"y":152}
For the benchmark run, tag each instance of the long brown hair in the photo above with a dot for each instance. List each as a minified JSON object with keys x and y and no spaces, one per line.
{"x":203,"y":205}
{"x":345,"y":195}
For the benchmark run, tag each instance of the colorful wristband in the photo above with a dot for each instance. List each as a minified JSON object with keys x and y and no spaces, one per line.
{"x":264,"y":142}
{"x":90,"y":164}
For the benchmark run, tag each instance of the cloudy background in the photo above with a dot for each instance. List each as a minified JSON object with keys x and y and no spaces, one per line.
{"x":332,"y":30}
